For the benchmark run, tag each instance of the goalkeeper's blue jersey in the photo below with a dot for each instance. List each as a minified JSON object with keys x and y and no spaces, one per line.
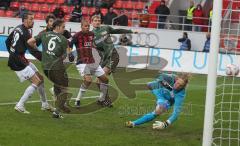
{"x":165,"y":92}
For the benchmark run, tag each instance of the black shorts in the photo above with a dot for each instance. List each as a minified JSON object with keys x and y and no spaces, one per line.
{"x":59,"y":78}
{"x":111,"y":62}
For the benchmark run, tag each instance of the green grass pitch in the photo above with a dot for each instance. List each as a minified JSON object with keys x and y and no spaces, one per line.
{"x":102,"y":127}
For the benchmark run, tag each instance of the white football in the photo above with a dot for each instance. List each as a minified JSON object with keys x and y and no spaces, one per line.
{"x":232,"y":70}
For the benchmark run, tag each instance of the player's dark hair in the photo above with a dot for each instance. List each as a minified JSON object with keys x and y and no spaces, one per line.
{"x":25,"y":15}
{"x":50,"y":16}
{"x":57,"y":22}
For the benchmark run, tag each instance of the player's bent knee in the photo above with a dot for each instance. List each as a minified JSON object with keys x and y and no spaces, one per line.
{"x":40,"y":76}
{"x":107,"y":70}
{"x":88,"y":79}
{"x":104,"y":79}
{"x":36,"y":80}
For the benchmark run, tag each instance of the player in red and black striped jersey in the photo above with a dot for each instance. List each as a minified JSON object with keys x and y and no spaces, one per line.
{"x":86,"y":65}
{"x":84,"y":44}
{"x":17,"y":46}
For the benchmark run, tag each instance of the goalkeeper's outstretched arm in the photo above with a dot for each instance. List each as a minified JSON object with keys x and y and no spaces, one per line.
{"x":177,"y":108}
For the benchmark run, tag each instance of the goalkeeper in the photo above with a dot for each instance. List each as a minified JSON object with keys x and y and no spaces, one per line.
{"x":170,"y":92}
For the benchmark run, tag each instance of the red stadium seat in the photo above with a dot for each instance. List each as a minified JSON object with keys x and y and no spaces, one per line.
{"x":84,"y":10}
{"x":9,"y":13}
{"x":39,"y":16}
{"x":65,"y":9}
{"x":134,"y":15}
{"x":27,"y":6}
{"x":71,"y":9}
{"x":52,"y":8}
{"x":92,"y":10}
{"x":15,"y":5}
{"x":104,"y":11}
{"x":117,"y":11}
{"x":41,"y":1}
{"x":45,"y":8}
{"x":87,"y":18}
{"x":129,"y":23}
{"x":118,"y":4}
{"x":139,"y":5}
{"x":35,"y":7}
{"x":60,"y":1}
{"x":67,"y":17}
{"x":128,"y":5}
{"x":50,"y":1}
{"x":2,"y":13}
{"x":32,"y":1}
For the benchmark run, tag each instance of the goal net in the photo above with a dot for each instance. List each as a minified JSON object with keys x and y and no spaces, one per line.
{"x":225,"y":127}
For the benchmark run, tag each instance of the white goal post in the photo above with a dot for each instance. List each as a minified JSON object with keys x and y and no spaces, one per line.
{"x":222,"y":106}
{"x":212,"y":73}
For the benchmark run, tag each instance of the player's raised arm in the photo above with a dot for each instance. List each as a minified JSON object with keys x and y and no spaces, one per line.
{"x":179,"y":99}
{"x":120,"y":31}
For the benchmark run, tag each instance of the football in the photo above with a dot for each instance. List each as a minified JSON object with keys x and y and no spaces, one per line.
{"x":232,"y":70}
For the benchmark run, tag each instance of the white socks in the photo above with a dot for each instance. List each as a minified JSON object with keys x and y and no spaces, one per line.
{"x":81,"y":92}
{"x":28,"y":92}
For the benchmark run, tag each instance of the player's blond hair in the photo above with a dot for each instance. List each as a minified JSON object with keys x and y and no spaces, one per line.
{"x":95,"y":16}
{"x":185,"y":77}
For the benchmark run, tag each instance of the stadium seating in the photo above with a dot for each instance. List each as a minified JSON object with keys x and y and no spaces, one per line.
{"x":118,"y":4}
{"x":104,"y":11}
{"x":52,"y":7}
{"x":235,"y":5}
{"x":39,"y":16}
{"x":41,"y":1}
{"x":2,"y":13}
{"x":65,"y":9}
{"x":84,"y":10}
{"x":15,"y":5}
{"x":35,"y":7}
{"x":60,"y":1}
{"x":139,"y":5}
{"x":45,"y":8}
{"x":50,"y":1}
{"x":9,"y":13}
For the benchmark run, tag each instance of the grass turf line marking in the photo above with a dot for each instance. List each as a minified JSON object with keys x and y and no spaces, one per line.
{"x":37,"y":101}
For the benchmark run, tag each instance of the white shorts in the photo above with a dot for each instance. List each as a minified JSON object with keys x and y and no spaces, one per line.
{"x":27,"y":72}
{"x":90,"y":69}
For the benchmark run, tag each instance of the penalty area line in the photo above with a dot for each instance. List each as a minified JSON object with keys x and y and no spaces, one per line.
{"x":38,"y":101}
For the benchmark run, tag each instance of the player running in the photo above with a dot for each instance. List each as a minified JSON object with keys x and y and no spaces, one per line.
{"x":104,"y":45}
{"x":86,"y":65}
{"x":169,"y":91}
{"x":54,"y":52}
{"x":17,"y":45}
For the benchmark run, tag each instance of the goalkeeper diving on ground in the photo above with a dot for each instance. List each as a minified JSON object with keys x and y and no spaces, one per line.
{"x":169,"y":90}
